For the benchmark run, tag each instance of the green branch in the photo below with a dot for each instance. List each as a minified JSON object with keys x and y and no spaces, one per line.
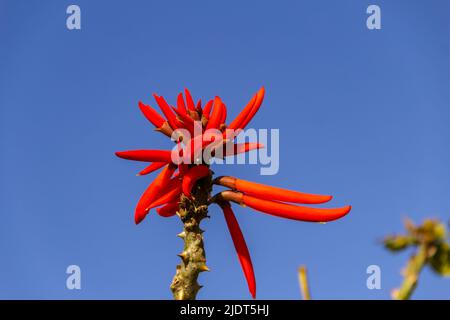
{"x":432,"y":248}
{"x":193,"y":259}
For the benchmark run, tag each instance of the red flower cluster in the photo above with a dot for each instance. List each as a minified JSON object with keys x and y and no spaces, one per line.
{"x":178,"y":178}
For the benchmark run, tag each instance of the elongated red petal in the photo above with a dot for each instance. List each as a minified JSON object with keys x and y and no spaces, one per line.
{"x":245,"y":147}
{"x":192,"y":176}
{"x":279,"y":194}
{"x":151,"y":168}
{"x":236,"y":123}
{"x":180,"y":104}
{"x":223,"y":115}
{"x":198,"y":107}
{"x":289,"y":211}
{"x":255,"y":108}
{"x":172,"y":194}
{"x":187,"y":121}
{"x":146,"y":155}
{"x":241,"y":247}
{"x":184,"y":117}
{"x":270,"y":193}
{"x":207,"y":109}
{"x":165,"y":108}
{"x":152,"y":192}
{"x":151,"y":115}
{"x":195,"y":146}
{"x":216,"y":115}
{"x":168,"y":210}
{"x":189,"y":101}
{"x":237,"y":148}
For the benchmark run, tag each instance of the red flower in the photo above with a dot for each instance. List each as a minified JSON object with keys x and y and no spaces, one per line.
{"x":179,"y":178}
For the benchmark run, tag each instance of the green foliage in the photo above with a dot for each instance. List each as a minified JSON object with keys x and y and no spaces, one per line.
{"x":397,"y":243}
{"x":431,"y":247}
{"x":440,"y":261}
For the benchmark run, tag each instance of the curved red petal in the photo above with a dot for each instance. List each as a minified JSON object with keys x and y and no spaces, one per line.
{"x":146,"y":155}
{"x":189,"y":101}
{"x":241,"y":247}
{"x":152,"y":192}
{"x":151,"y":168}
{"x":151,"y":115}
{"x":192,"y":176}
{"x":255,"y":108}
{"x":216,"y":115}
{"x":293,"y":212}
{"x":168,"y":210}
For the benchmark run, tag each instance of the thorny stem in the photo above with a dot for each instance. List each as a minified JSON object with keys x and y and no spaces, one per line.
{"x":193,"y":259}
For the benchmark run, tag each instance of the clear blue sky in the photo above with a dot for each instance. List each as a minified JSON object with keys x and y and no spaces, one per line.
{"x":363,"y":115}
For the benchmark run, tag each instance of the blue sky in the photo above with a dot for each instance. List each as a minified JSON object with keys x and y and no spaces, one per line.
{"x":363,"y":115}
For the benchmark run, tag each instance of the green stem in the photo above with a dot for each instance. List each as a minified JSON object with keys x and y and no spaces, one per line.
{"x":193,"y":259}
{"x":411,"y":274}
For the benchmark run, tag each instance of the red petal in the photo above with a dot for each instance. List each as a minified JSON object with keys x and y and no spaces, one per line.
{"x":152,"y":192}
{"x":267,"y":192}
{"x":236,"y":124}
{"x":171,"y":194}
{"x":146,"y":155}
{"x":289,"y":211}
{"x":241,"y":247}
{"x":207,"y":109}
{"x":255,"y":108}
{"x":151,"y":168}
{"x":165,"y":108}
{"x":192,"y":176}
{"x":189,"y":100}
{"x":151,"y":115}
{"x":216,"y":115}
{"x":199,"y":107}
{"x":180,"y":104}
{"x":237,"y":148}
{"x":223,"y":116}
{"x":168,"y":210}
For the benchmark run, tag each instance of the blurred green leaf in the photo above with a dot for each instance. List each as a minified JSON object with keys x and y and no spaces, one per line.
{"x":397,"y":243}
{"x":440,"y":261}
